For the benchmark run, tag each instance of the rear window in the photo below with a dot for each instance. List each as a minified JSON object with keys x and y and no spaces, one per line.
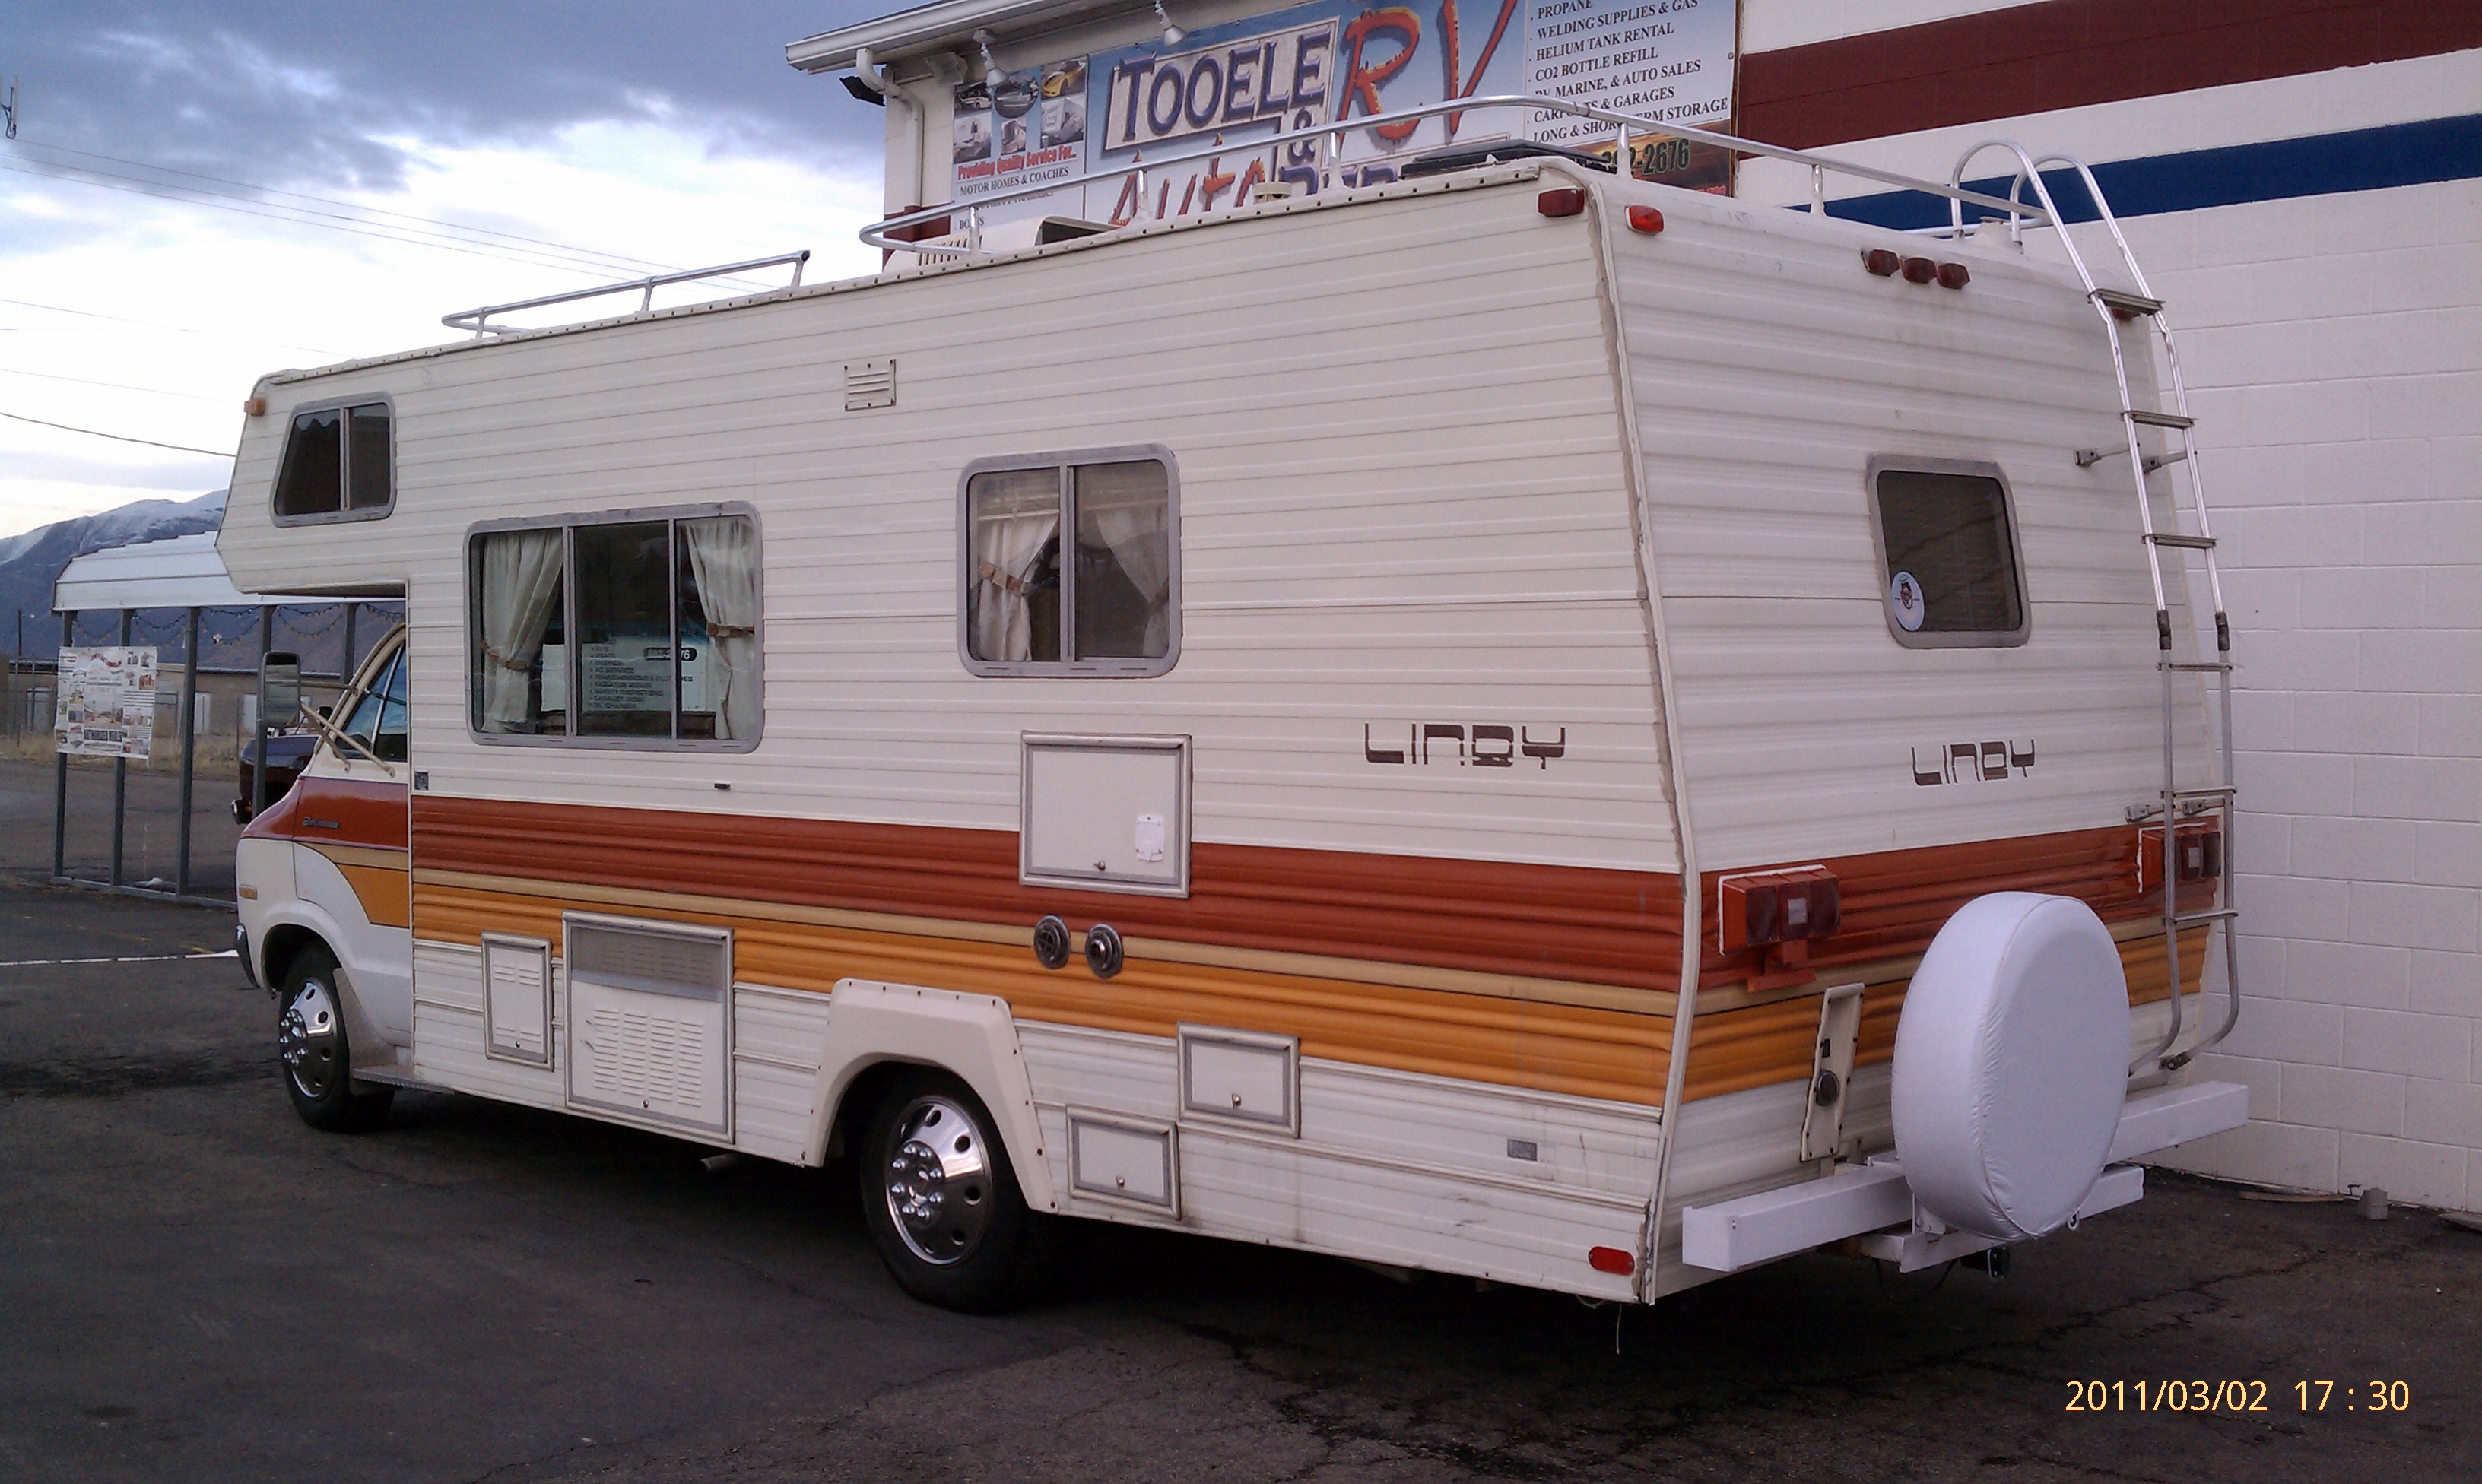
{"x":1947,"y":544}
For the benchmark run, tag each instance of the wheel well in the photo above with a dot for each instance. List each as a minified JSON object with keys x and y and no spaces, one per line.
{"x":862,"y":1097}
{"x":285,"y":942}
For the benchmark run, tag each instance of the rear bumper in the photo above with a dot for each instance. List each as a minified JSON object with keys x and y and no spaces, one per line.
{"x":1874,"y":1203}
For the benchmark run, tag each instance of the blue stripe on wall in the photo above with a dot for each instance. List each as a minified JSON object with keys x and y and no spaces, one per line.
{"x":2400,"y":154}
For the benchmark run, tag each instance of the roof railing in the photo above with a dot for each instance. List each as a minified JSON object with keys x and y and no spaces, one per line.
{"x":479,"y":320}
{"x":1331,"y":137}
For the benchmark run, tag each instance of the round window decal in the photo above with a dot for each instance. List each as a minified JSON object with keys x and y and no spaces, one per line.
{"x":1907,"y":596}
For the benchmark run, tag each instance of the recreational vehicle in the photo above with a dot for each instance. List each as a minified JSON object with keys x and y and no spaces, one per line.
{"x":1511,"y":721}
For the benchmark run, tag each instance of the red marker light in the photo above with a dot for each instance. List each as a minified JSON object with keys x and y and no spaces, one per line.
{"x":1921,"y":269}
{"x":1880,"y":261}
{"x":1561,"y":204}
{"x":1646,"y":219}
{"x":1952,"y":275}
{"x":1611,"y":1260}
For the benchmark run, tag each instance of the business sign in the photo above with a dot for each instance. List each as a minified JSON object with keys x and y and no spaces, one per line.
{"x":1029,"y":129}
{"x":106,"y":702}
{"x":1333,"y":61}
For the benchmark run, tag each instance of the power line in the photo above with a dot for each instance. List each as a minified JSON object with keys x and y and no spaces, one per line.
{"x":123,"y":318}
{"x":163,"y":190}
{"x":607,"y":258}
{"x":428,"y":231}
{"x":117,"y":386}
{"x":183,"y":448}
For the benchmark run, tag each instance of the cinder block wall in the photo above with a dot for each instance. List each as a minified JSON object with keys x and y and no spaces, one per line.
{"x":2334,"y":346}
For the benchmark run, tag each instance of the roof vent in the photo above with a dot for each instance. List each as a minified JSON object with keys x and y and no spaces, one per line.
{"x":869,"y":385}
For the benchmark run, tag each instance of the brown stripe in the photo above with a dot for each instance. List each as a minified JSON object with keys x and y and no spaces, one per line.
{"x":1487,"y":917}
{"x":1895,"y":902}
{"x":1551,"y":1048}
{"x":2031,"y":59}
{"x":366,"y":812}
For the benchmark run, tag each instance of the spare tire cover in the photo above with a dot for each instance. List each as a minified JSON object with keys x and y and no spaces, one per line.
{"x":2012,"y":1063}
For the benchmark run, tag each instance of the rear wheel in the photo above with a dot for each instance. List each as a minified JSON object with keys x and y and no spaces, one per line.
{"x":317,"y":1058}
{"x":942,"y":1204}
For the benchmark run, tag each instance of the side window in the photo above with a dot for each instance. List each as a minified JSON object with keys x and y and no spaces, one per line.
{"x":1105,"y":602}
{"x":389,"y":740}
{"x":623,"y":632}
{"x":339,"y":464}
{"x":363,"y":724}
{"x":378,"y":720}
{"x":1948,"y":560}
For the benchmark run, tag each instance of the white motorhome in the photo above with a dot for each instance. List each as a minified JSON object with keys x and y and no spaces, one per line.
{"x":1515,"y":721}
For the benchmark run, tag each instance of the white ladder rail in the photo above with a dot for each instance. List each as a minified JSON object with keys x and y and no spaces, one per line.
{"x":2112,"y":305}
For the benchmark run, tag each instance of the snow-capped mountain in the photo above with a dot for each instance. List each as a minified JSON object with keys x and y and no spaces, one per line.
{"x":31,"y":563}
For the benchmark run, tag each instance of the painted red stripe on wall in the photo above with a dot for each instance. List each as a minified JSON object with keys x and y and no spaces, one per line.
{"x":2055,"y":54}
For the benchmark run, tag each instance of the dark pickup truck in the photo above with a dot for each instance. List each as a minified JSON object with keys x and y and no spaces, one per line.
{"x":287,"y":754}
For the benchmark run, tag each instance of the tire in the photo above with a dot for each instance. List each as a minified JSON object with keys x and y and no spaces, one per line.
{"x":943,"y":1205}
{"x":313,"y":1054}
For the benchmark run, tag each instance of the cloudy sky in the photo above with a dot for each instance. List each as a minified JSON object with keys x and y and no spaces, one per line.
{"x":199,"y":193}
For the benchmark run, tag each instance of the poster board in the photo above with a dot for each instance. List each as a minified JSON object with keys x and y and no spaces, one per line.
{"x":106,"y":702}
{"x":1332,"y":60}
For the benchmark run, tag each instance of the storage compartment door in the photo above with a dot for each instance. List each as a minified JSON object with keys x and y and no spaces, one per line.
{"x":1106,"y":814}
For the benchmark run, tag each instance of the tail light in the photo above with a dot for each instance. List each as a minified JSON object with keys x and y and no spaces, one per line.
{"x":2196,"y":853}
{"x":1777,"y":907}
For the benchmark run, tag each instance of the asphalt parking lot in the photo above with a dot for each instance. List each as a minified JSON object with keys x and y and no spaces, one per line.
{"x":194,"y":1286}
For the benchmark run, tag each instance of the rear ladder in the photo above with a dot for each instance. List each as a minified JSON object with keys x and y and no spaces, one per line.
{"x":2118,"y":307}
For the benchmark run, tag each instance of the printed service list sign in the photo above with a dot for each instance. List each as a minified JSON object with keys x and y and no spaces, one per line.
{"x":106,"y":706}
{"x":1669,"y":61}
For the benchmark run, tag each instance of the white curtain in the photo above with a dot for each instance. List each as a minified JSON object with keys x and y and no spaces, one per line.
{"x":1127,"y":508}
{"x":520,"y":576}
{"x":1015,"y":514}
{"x":724,"y":558}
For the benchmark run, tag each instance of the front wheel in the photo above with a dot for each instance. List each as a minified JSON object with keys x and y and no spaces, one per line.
{"x":942,"y":1204}
{"x":317,"y":1057}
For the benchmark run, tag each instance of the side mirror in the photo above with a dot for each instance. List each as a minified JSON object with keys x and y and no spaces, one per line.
{"x":328,"y":713}
{"x":279,"y":701}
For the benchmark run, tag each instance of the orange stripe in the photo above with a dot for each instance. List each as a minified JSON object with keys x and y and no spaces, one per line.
{"x":1734,"y":1051}
{"x":382,"y":893}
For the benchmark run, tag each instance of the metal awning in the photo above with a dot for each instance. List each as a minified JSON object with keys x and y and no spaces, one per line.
{"x":948,"y":23}
{"x":182,"y":571}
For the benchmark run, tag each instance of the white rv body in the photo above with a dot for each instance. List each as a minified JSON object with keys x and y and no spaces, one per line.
{"x":1440,"y":461}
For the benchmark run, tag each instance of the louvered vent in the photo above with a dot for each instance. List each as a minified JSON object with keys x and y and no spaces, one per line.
{"x":651,"y":960}
{"x":869,"y":385}
{"x":516,"y":992}
{"x":649,"y":1007}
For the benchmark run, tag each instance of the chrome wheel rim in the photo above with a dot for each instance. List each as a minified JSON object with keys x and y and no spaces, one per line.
{"x":307,"y":1039}
{"x":938,"y":1180}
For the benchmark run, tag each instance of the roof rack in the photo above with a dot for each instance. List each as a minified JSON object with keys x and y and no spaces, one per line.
{"x":1328,"y":140}
{"x":479,"y":320}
